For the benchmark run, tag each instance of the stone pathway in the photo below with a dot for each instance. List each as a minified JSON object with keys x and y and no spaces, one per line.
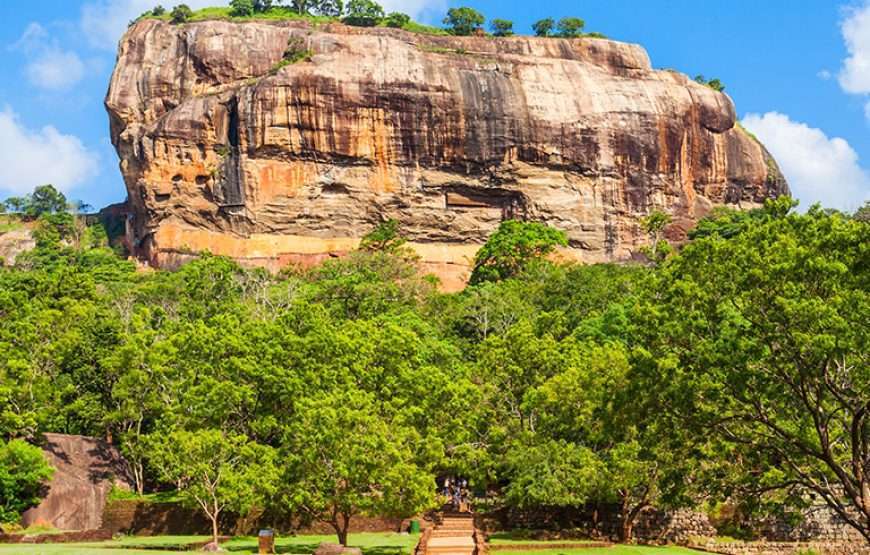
{"x":454,"y":535}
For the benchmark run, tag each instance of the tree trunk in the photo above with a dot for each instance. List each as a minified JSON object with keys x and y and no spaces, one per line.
{"x":627,"y":529}
{"x":214,"y":529}
{"x":342,"y":525}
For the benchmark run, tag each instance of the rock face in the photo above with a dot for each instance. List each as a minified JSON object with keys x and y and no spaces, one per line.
{"x":223,"y":149}
{"x":85,"y":469}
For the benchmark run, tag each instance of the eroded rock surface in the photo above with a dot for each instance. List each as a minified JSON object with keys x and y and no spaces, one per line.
{"x":222,"y":150}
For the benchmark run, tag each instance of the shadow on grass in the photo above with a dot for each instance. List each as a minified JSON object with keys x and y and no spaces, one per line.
{"x":308,"y":549}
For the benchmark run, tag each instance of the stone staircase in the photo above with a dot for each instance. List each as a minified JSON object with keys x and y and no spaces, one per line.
{"x":453,"y":535}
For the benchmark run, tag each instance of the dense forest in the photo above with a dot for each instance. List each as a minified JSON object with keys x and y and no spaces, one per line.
{"x":733,"y":369}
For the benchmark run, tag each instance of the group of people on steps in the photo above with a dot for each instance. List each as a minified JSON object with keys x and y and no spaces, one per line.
{"x":457,"y":493}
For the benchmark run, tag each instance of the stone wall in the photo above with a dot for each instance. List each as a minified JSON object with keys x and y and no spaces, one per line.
{"x":600,"y":521}
{"x":819,"y":523}
{"x":784,"y":548}
{"x":148,"y":518}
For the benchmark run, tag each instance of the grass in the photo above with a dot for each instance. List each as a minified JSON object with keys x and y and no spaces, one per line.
{"x":613,"y":550}
{"x":370,"y":543}
{"x":10,"y":223}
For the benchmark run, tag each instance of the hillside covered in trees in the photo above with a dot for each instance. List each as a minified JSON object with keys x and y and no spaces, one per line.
{"x":734,"y":371}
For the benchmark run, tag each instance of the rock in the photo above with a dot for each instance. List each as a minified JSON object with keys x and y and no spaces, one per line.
{"x":221,"y":149}
{"x":13,"y":243}
{"x":86,"y":469}
{"x":327,"y":548}
{"x":213,"y":547}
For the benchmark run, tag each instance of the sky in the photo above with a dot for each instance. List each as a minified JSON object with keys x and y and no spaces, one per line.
{"x":798,"y":72}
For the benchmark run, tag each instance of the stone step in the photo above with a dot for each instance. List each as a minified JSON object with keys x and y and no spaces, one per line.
{"x":442,"y":533}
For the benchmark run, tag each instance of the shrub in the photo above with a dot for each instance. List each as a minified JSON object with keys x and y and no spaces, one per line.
{"x":502,"y":27}
{"x":463,"y":21}
{"x":397,"y":20}
{"x":714,"y":83}
{"x":544,"y":27}
{"x":181,"y":13}
{"x":571,"y":27}
{"x":363,"y":13}
{"x":23,"y":473}
{"x":241,"y":8}
{"x":158,"y":10}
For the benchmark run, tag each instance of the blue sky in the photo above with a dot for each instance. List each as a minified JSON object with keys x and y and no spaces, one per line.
{"x":798,"y":71}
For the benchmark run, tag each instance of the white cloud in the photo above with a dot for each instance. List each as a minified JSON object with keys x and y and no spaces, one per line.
{"x":32,"y":38}
{"x":104,"y":21}
{"x":35,"y":157}
{"x":55,"y":69}
{"x":855,"y":75}
{"x":824,"y":75}
{"x":818,"y":168}
{"x":48,"y":66}
{"x":417,"y":9}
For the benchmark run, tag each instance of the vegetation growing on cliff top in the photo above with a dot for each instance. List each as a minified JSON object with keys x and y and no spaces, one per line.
{"x":461,"y":21}
{"x":732,"y":370}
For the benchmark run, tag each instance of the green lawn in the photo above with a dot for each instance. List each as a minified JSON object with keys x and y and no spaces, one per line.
{"x":370,"y":543}
{"x":614,"y":550}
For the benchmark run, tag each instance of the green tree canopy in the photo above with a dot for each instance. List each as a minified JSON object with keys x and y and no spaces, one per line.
{"x":502,"y":27}
{"x":348,"y":461}
{"x":763,"y":341}
{"x":513,"y":248}
{"x":363,"y":13}
{"x":570,"y":27}
{"x":181,"y":13}
{"x":215,"y":471}
{"x":544,"y":27}
{"x":24,"y":472}
{"x":463,"y":21}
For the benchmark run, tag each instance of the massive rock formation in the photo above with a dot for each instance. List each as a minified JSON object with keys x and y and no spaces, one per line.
{"x":223,"y":148}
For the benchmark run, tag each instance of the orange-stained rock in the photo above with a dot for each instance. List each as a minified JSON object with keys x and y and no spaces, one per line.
{"x":448,"y":135}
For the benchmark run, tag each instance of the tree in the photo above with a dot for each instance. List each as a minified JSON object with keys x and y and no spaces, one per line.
{"x":502,"y":27}
{"x":363,"y":13}
{"x":384,"y":238}
{"x":329,"y":8}
{"x":642,"y":457}
{"x":214,"y":471}
{"x":158,"y":10}
{"x":24,"y":472}
{"x":16,"y":204}
{"x":241,"y":8}
{"x":571,"y":27}
{"x":397,"y":20}
{"x":762,"y":342}
{"x":544,"y":27}
{"x":513,"y":248}
{"x":463,"y":21}
{"x":181,"y":13}
{"x":261,"y":6}
{"x":552,"y":473}
{"x":654,"y":225}
{"x":863,"y":214}
{"x":348,"y":461}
